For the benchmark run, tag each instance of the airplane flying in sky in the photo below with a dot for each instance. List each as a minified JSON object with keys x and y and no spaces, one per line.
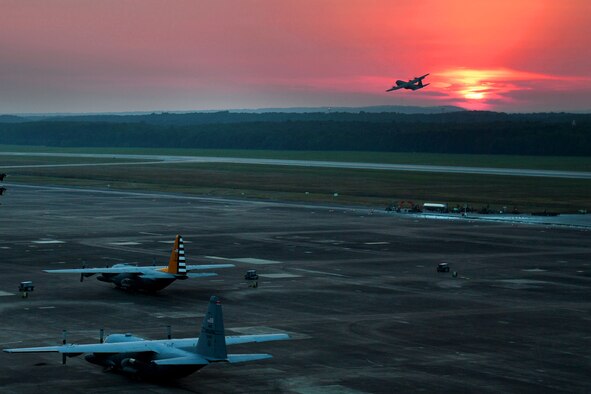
{"x":147,"y":278}
{"x":413,"y":84}
{"x":164,"y":358}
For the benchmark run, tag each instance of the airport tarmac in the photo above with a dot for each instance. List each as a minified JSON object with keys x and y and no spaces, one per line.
{"x":357,"y":291}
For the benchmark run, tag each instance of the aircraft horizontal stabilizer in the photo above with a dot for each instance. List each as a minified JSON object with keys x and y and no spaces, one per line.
{"x":242,"y":358}
{"x":200,"y":275}
{"x":193,"y":359}
{"x":235,"y":340}
{"x":208,"y":266}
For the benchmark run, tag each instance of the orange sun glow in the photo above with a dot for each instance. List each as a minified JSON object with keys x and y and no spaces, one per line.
{"x":474,"y":88}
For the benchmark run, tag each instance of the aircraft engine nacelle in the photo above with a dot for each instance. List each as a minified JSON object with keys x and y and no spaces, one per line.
{"x":117,"y":338}
{"x":129,"y":365}
{"x":134,"y":366}
{"x":125,"y":282}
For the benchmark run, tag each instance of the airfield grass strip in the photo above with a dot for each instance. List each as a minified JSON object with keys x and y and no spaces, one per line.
{"x":302,"y":184}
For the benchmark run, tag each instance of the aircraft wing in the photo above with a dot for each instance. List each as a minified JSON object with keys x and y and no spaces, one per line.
{"x":117,"y":347}
{"x":235,"y":340}
{"x":152,"y":271}
{"x":394,"y":88}
{"x":132,"y":269}
{"x":419,"y":78}
{"x":208,"y":266}
{"x":107,"y":270}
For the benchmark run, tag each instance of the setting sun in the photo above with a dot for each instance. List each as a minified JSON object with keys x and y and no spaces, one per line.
{"x":472,"y":95}
{"x":477,"y":89}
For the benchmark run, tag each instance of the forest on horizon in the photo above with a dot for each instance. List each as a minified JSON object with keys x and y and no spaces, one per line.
{"x":469,"y":132}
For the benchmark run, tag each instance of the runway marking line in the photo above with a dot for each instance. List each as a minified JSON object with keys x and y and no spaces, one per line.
{"x":48,"y":241}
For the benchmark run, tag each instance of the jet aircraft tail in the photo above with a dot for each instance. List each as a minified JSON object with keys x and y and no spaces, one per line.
{"x":212,"y":340}
{"x":177,"y":264}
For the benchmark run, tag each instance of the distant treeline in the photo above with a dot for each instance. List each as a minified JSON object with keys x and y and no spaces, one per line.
{"x":455,"y":132}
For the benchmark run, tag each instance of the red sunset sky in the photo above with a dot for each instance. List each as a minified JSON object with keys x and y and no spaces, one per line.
{"x":143,"y":55}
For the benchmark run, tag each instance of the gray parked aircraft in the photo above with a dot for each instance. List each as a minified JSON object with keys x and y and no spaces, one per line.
{"x":147,"y":278}
{"x":413,"y":84}
{"x":165,"y":358}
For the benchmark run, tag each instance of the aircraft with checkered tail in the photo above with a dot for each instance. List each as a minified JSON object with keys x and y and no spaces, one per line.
{"x":164,"y":358}
{"x":147,"y":278}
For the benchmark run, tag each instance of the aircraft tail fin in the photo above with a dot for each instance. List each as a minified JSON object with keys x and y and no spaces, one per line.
{"x":212,"y":340}
{"x":177,"y":264}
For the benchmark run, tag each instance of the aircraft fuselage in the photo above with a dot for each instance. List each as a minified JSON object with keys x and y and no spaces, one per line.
{"x":133,"y":282}
{"x":139,"y":364}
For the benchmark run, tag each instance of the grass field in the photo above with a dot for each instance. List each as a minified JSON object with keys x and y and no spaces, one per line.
{"x":371,"y":188}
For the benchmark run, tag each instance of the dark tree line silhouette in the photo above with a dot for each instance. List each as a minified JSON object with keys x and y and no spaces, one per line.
{"x":457,"y":132}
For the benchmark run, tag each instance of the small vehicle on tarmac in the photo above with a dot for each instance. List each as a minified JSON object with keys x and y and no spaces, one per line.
{"x":251,"y":275}
{"x":443,"y":267}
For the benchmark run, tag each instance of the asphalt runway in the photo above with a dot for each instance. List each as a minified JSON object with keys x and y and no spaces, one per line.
{"x":164,"y":159}
{"x":357,"y":291}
